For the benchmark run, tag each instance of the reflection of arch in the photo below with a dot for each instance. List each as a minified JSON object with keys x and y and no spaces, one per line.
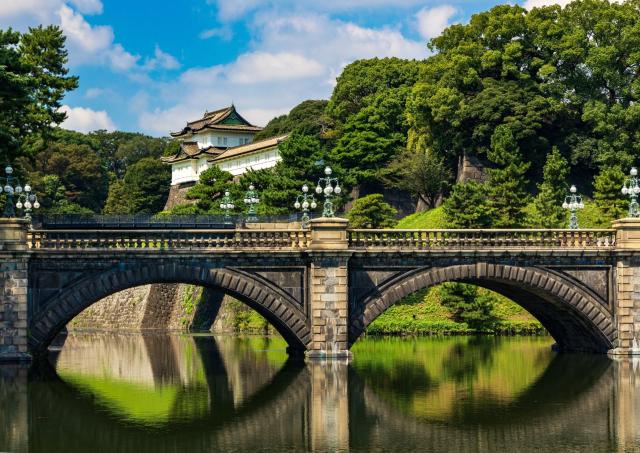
{"x":272,"y":409}
{"x":573,"y":315}
{"x":573,"y":391}
{"x":277,"y":306}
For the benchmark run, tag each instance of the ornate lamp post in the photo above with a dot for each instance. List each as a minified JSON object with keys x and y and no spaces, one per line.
{"x":251,"y":199}
{"x":631,"y":187}
{"x":304,"y":202}
{"x":328,"y":190}
{"x":573,"y":202}
{"x":26,"y":199}
{"x":227,"y":205}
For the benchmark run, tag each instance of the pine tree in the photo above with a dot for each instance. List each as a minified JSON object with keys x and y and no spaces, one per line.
{"x":607,"y":195}
{"x":372,"y":211}
{"x":467,"y":206}
{"x":548,"y":211}
{"x":507,"y":188}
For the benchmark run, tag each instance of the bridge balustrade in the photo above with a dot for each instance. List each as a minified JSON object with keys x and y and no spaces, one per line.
{"x":473,"y":239}
{"x":168,"y":239}
{"x":300,"y":239}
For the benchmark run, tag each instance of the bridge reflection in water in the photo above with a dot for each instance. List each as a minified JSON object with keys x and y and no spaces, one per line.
{"x":133,"y":393}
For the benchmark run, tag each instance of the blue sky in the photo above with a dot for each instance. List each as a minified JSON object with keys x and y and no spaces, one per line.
{"x":150,"y":66}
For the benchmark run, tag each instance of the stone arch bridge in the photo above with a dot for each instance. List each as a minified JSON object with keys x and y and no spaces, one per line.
{"x":322,"y":287}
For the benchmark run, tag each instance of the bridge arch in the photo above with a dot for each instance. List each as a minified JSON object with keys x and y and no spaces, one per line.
{"x":275,"y":304}
{"x":574,"y":317}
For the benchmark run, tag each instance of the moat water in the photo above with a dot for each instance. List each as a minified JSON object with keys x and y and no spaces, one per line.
{"x":154,"y":393}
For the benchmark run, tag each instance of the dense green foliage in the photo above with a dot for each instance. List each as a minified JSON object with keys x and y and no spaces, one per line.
{"x":467,"y":306}
{"x":423,"y":313}
{"x":607,"y":195}
{"x":307,"y":118}
{"x":78,"y":168}
{"x":468,"y":206}
{"x":206,"y":195}
{"x":143,"y":189}
{"x":110,"y":172}
{"x":556,"y":77}
{"x":421,"y":173}
{"x":33,"y":81}
{"x":367,"y":107}
{"x":371,"y":211}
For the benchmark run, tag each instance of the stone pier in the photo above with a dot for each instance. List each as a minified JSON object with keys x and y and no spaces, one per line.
{"x":329,"y":289}
{"x":627,"y":301}
{"x":14,"y":262}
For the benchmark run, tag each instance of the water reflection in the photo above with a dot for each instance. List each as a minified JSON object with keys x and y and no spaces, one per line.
{"x":137,"y":393}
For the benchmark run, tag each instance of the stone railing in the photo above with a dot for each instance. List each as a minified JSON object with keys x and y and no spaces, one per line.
{"x":168,"y":239}
{"x":473,"y":239}
{"x":338,"y":237}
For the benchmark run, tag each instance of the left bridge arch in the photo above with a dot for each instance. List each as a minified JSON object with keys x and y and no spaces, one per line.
{"x":274,"y":303}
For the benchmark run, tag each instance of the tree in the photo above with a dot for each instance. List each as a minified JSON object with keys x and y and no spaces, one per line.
{"x":303,"y":160}
{"x":361,"y":80}
{"x":507,"y":188}
{"x":548,"y":211}
{"x":372,"y":211}
{"x":33,"y":81}
{"x":306,"y":118}
{"x":206,"y":194}
{"x":121,"y":199}
{"x":372,"y":137}
{"x":54,"y":200}
{"x":421,"y":173}
{"x":558,"y":77}
{"x":150,"y":180}
{"x":119,"y":150}
{"x":79,"y":170}
{"x":607,"y":195}
{"x":144,"y":189}
{"x":484,"y":74}
{"x":467,"y":206}
{"x":467,"y":306}
{"x":367,"y":110}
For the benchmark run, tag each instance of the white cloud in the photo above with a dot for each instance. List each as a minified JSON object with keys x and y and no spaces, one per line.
{"x":224,"y":33}
{"x":93,"y":44}
{"x":78,"y":31}
{"x":88,"y":6}
{"x":120,"y":59}
{"x":20,"y":12}
{"x":293,"y":58}
{"x":93,"y":93}
{"x":86,"y":43}
{"x":86,"y":120}
{"x":258,"y":67}
{"x":229,"y":10}
{"x":433,"y":21}
{"x":162,"y":60}
{"x":234,"y":9}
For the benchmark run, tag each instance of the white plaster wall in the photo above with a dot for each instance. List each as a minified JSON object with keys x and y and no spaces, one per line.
{"x":257,"y":161}
{"x":224,"y":139}
{"x":184,"y":171}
